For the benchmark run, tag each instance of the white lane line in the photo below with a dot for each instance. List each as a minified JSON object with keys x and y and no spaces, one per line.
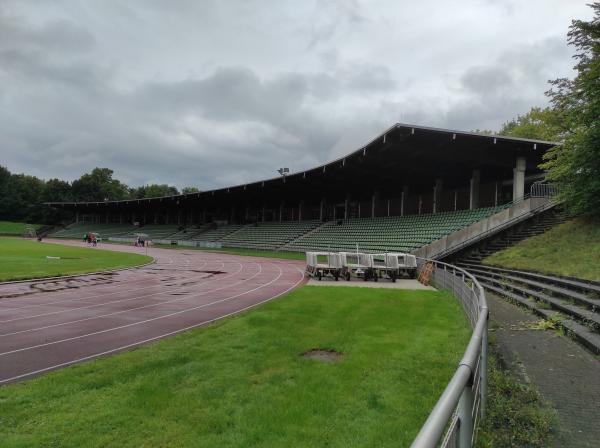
{"x":141,"y":307}
{"x":144,"y":341}
{"x":103,"y":294}
{"x":175,"y":313}
{"x":167,"y":291}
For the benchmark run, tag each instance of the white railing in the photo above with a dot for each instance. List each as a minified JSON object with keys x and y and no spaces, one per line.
{"x":542,"y":189}
{"x":453,"y":420}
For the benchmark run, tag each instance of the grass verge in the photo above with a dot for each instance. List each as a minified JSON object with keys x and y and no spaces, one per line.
{"x":230,"y":250}
{"x":243,"y":383}
{"x":517,"y":415}
{"x":25,"y":259}
{"x":571,"y":249}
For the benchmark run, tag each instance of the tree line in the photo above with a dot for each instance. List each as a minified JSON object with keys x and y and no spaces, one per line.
{"x":22,"y":196}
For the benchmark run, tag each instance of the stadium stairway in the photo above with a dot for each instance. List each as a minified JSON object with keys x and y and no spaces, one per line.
{"x":268,"y":235}
{"x":535,"y":226}
{"x":213,"y":234}
{"x":77,"y":230}
{"x":570,"y":304}
{"x":289,"y":245}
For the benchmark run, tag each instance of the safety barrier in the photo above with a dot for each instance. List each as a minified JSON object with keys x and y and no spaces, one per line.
{"x":543,"y":189}
{"x":454,"y":419}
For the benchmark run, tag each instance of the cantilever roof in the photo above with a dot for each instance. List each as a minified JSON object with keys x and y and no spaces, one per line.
{"x":419,"y":144}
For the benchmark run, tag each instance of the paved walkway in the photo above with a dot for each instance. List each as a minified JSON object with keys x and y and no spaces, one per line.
{"x":566,"y":374}
{"x":399,"y":284}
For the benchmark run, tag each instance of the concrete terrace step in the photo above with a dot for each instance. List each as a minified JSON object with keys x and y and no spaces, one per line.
{"x":580,"y":333}
{"x":579,"y":313}
{"x":586,"y":286}
{"x":568,"y":294}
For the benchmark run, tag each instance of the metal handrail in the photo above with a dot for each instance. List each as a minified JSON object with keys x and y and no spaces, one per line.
{"x":464,"y":398}
{"x":543,"y":189}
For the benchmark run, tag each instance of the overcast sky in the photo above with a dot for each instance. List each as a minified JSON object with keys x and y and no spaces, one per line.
{"x":213,"y":93}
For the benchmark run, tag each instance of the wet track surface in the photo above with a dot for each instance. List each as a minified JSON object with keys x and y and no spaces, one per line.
{"x":48,"y":324}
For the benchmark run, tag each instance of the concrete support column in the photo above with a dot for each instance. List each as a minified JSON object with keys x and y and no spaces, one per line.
{"x":77,"y":217}
{"x":403,"y":199}
{"x":474,"y":190}
{"x":281,"y":212}
{"x":519,"y":179}
{"x":437,"y":195}
{"x":388,"y":208}
{"x":300,"y":205}
{"x":420,"y":203}
{"x":346,"y":202}
{"x":321,"y":206}
{"x":455,"y":200}
{"x":373,"y":199}
{"x":496,"y":194}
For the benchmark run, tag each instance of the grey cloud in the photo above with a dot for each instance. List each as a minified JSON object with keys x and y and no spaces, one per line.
{"x":161,"y":94}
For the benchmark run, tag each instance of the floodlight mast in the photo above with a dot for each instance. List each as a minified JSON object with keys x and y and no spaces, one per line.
{"x":283,"y":171}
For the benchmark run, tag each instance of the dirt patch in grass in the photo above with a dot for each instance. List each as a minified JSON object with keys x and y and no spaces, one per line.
{"x":323,"y":355}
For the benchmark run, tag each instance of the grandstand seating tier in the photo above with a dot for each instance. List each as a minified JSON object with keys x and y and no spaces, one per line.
{"x":381,"y":234}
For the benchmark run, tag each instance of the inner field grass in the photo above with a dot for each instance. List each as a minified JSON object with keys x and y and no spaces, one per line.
{"x":15,"y":228}
{"x":24,"y":259}
{"x":571,"y":249}
{"x":243,"y":383}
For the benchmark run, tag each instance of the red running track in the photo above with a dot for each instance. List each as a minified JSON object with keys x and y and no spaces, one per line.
{"x":48,"y":324}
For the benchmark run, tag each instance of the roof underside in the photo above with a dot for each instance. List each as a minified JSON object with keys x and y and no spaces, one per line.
{"x":402,"y":155}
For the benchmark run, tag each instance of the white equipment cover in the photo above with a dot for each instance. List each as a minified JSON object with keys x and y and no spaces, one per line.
{"x":398,"y":260}
{"x":356,"y":260}
{"x":324,"y":260}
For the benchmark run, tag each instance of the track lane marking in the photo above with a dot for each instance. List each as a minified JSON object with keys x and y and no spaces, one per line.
{"x":194,"y":295}
{"x":112,"y":301}
{"x":146,"y":320}
{"x":144,"y":341}
{"x":140,"y":278}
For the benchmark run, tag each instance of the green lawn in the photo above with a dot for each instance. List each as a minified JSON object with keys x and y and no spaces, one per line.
{"x":15,"y":228}
{"x":571,"y":249}
{"x":243,"y":383}
{"x":23,"y":259}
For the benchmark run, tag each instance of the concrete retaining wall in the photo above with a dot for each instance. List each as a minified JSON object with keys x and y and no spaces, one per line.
{"x":519,"y":212}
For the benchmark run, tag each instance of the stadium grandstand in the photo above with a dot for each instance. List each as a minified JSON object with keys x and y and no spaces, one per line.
{"x":406,"y":190}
